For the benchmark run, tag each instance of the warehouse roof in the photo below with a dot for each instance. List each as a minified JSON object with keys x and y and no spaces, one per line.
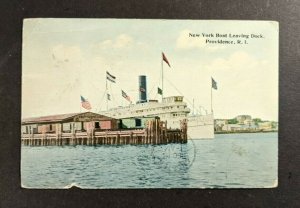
{"x":62,"y":117}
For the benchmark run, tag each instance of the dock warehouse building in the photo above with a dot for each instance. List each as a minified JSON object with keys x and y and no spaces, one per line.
{"x":68,"y":123}
{"x":95,"y":129}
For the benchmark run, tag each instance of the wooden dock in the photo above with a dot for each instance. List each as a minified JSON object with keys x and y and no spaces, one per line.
{"x":155,"y":132}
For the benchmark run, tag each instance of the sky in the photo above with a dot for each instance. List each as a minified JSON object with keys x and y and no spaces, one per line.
{"x":65,"y":58}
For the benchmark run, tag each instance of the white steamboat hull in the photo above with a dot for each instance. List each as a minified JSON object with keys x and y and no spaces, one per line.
{"x":201,"y":132}
{"x":201,"y":127}
{"x":173,"y":111}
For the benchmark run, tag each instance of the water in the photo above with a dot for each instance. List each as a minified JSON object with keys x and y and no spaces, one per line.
{"x":228,"y":161}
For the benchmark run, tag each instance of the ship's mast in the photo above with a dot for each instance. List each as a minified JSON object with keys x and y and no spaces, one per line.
{"x":211,"y":97}
{"x":162,"y":79}
{"x":164,"y":58}
{"x":193,"y":107}
{"x":106,"y":92}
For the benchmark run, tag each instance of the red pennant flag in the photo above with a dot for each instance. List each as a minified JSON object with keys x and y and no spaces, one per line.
{"x":165,"y":59}
{"x":126,"y":96}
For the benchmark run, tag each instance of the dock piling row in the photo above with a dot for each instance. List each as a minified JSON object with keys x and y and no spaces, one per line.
{"x":155,"y":132}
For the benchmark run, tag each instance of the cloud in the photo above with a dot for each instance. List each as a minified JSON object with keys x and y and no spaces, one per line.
{"x":184,"y":41}
{"x":63,"y":53}
{"x":236,"y":61}
{"x":122,"y":41}
{"x":106,"y":44}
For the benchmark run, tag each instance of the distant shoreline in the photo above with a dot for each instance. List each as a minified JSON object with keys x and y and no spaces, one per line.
{"x":239,"y":132}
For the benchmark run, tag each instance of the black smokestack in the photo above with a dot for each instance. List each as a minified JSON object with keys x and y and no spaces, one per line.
{"x":142,"y":88}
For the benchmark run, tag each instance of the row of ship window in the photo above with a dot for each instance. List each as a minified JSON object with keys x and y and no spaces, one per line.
{"x":153,"y":109}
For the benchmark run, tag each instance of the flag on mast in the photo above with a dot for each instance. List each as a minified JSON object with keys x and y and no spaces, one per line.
{"x":214,"y":84}
{"x":126,"y":96}
{"x":165,"y":59}
{"x":110,"y":77}
{"x":85,"y":103}
{"x":159,"y":91}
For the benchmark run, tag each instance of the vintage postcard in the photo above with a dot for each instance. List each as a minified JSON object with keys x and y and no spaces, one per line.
{"x":140,"y":103}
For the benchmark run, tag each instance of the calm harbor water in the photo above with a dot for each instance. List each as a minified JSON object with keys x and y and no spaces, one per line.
{"x":228,"y":161}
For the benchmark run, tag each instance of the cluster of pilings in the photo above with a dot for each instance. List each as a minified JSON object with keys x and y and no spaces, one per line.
{"x":155,"y":132}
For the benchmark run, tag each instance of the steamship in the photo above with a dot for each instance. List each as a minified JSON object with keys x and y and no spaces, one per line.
{"x":172,"y":109}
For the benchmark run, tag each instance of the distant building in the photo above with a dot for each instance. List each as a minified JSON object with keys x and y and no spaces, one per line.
{"x":250,"y":127}
{"x":265,"y":126}
{"x":231,"y":127}
{"x":275,"y":125}
{"x":239,"y":127}
{"x":219,"y":123}
{"x":244,"y":123}
{"x":242,"y":118}
{"x":249,"y":122}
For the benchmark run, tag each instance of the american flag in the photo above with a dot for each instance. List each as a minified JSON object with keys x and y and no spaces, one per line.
{"x":110,"y":77}
{"x":126,"y":96}
{"x":85,"y":104}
